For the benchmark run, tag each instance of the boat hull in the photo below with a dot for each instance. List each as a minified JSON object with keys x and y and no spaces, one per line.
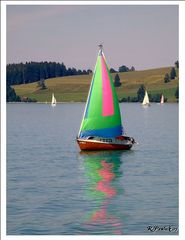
{"x":93,"y":146}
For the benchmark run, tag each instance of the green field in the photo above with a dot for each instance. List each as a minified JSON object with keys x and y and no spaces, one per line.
{"x":75,"y":88}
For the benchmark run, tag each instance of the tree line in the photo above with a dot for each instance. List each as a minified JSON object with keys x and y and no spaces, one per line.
{"x":173,"y":73}
{"x":22,"y":73}
{"x":11,"y":96}
{"x":123,"y":68}
{"x":39,"y":71}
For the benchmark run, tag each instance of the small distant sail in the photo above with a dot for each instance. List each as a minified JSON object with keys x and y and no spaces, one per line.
{"x":162,"y":99}
{"x":146,"y":99}
{"x":53,"y":101}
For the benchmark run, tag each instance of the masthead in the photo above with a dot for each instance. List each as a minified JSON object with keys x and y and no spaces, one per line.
{"x":101,"y":48}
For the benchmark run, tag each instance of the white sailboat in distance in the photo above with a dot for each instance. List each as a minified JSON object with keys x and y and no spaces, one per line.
{"x":162,"y":99}
{"x":146,"y":101}
{"x":53,"y":100}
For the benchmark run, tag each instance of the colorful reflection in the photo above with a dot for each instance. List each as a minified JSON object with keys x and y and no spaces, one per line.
{"x":102,"y":170}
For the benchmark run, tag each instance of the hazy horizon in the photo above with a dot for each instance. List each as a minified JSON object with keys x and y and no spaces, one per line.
{"x":143,"y":36}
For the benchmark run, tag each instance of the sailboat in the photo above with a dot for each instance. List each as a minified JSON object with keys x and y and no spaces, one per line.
{"x":162,"y":99}
{"x":53,"y":100}
{"x":101,"y":127}
{"x":146,"y":101}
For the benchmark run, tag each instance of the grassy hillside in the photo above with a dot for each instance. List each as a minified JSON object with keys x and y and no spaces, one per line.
{"x":75,"y":88}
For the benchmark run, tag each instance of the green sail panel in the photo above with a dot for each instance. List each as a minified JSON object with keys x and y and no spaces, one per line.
{"x":102,"y":114}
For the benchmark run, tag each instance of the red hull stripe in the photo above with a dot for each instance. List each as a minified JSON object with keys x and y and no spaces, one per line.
{"x":84,"y":145}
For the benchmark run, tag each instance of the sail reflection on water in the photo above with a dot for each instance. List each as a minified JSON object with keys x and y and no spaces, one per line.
{"x":102,"y":170}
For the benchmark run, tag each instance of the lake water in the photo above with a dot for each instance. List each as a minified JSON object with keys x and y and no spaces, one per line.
{"x":52,"y":188}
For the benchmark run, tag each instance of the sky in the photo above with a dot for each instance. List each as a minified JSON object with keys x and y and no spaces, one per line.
{"x":143,"y":36}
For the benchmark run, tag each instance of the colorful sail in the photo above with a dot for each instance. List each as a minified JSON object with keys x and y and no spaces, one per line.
{"x":102,"y":114}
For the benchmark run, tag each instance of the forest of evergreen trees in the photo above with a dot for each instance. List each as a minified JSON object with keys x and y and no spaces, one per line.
{"x":22,"y":73}
{"x":34,"y":71}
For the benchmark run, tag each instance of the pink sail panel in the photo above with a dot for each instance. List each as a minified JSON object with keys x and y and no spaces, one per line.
{"x":108,"y":104}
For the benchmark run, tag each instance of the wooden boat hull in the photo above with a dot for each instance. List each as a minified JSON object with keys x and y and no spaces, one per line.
{"x":93,"y":146}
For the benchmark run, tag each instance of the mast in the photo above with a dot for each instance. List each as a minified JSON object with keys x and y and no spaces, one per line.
{"x":101,"y":49}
